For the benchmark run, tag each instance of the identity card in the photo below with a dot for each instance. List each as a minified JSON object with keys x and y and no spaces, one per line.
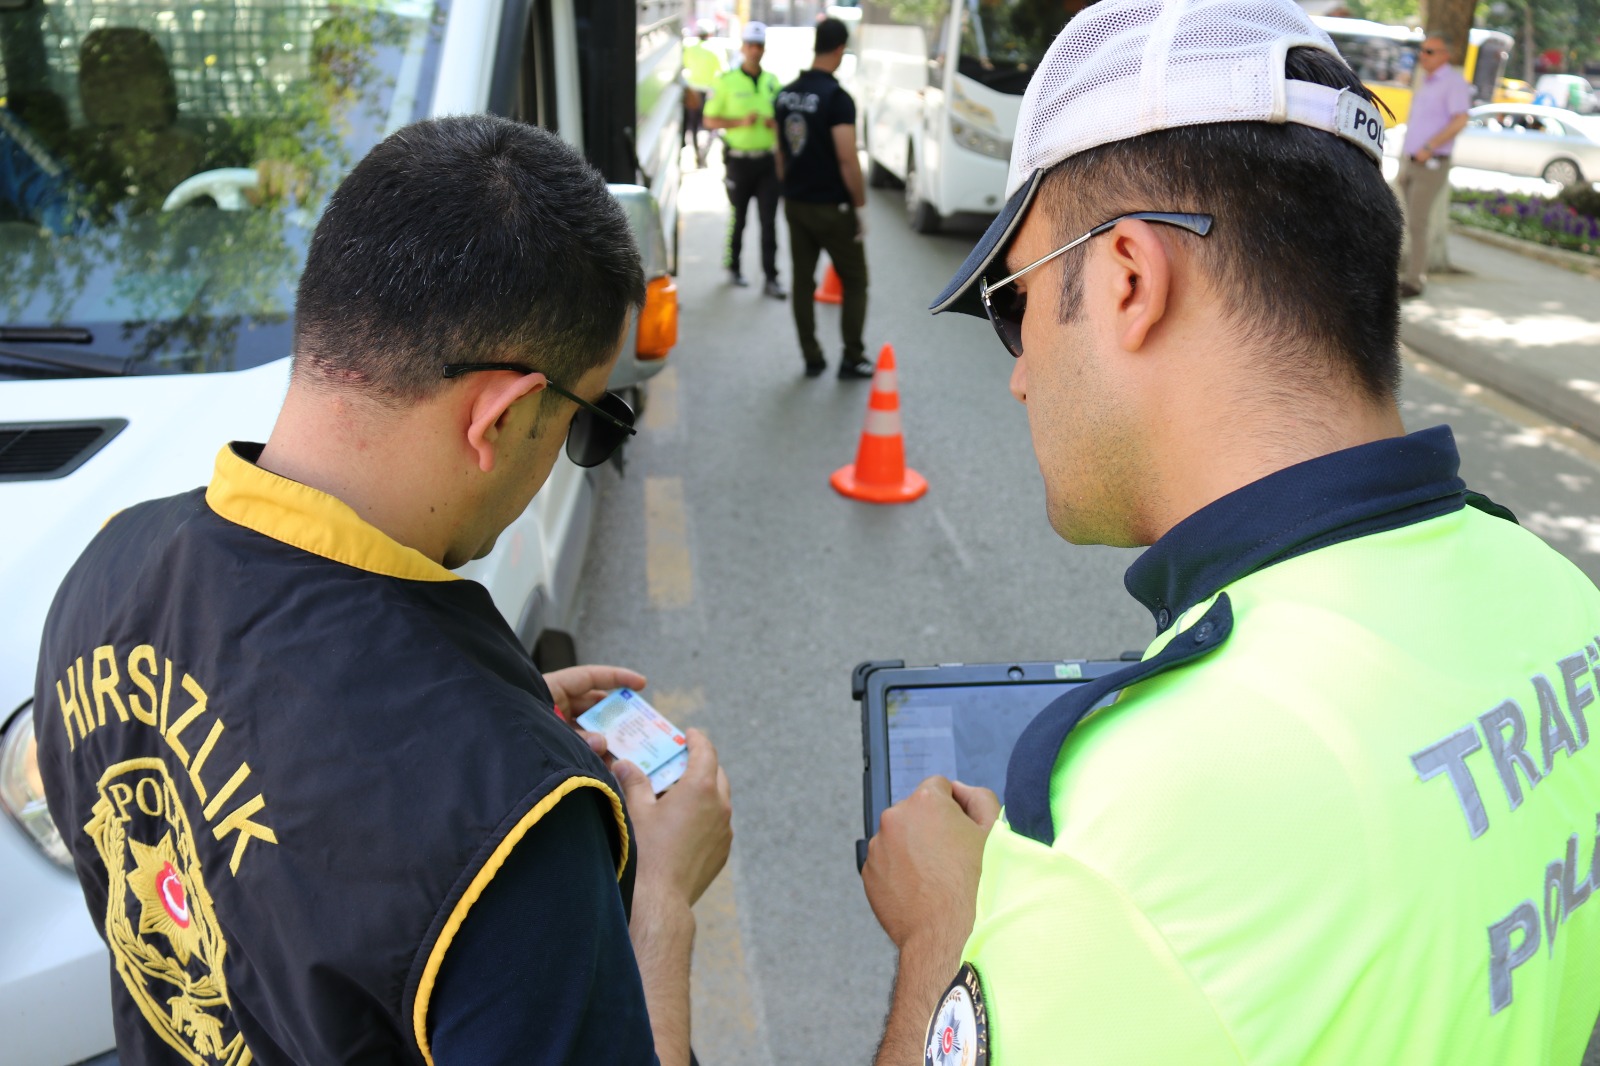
{"x":636,"y":731}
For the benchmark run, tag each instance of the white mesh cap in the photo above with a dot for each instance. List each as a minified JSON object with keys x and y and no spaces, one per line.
{"x":1127,"y":67}
{"x":1123,"y":68}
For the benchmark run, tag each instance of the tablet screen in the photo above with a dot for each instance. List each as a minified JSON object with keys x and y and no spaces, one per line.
{"x":965,"y":732}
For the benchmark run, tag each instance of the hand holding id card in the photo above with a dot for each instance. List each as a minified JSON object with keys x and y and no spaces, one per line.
{"x":637,"y":732}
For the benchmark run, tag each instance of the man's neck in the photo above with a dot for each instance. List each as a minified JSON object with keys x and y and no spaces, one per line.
{"x":1217,"y":439}
{"x":753,"y":71}
{"x":379,"y":471}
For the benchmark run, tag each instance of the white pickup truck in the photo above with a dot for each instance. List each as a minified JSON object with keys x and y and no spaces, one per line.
{"x":135,"y":342}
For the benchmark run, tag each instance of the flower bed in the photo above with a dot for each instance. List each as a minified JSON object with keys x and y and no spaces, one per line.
{"x":1531,"y":218}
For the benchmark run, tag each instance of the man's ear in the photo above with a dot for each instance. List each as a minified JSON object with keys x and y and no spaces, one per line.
{"x":1141,"y":282}
{"x":493,"y":394}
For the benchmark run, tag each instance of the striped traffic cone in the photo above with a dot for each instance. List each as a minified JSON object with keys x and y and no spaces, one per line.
{"x":831,"y":291}
{"x":880,"y":474}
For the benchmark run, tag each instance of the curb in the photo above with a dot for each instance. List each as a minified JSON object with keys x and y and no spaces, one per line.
{"x":1550,"y":398}
{"x":1574,"y":261}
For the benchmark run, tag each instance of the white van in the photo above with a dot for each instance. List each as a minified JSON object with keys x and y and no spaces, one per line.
{"x":939,"y":97}
{"x":133,"y":344}
{"x":1571,"y":91}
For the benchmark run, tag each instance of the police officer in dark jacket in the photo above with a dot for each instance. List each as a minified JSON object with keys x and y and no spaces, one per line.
{"x":323,"y":807}
{"x":823,"y":194}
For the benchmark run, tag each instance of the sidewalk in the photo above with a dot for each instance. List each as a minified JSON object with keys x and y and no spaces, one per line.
{"x":1523,"y":327}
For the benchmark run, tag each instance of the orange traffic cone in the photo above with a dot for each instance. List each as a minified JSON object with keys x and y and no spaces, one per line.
{"x":831,"y":291}
{"x":880,"y":474}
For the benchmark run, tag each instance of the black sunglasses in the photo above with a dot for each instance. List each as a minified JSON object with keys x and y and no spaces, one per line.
{"x":1005,"y":304}
{"x":597,"y":430}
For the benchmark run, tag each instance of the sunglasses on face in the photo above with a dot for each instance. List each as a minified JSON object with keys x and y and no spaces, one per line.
{"x":1005,"y":304}
{"x":598,"y":428}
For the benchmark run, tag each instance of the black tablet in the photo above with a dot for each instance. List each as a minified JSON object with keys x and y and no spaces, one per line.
{"x":956,"y":719}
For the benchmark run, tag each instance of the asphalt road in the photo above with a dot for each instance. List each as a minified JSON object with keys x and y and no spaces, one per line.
{"x":728,"y":571}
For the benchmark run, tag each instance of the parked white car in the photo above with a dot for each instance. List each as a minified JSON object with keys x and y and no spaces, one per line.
{"x":1552,"y":143}
{"x":142,"y":331}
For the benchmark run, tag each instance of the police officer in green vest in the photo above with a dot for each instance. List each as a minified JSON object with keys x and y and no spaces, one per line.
{"x":701,"y":68}
{"x":1345,"y":808}
{"x":741,"y":107}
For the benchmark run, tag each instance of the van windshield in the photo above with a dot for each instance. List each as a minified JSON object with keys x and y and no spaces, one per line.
{"x":162,"y":166}
{"x":1004,"y":41}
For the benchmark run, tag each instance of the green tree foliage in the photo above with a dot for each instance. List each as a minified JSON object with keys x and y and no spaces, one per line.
{"x":1389,"y":12}
{"x":1571,"y":27}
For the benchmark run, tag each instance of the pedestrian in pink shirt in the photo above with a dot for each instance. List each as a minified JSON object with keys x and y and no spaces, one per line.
{"x":1438,"y":113}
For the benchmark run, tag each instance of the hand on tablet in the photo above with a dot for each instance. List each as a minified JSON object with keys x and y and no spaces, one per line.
{"x":921,"y":875}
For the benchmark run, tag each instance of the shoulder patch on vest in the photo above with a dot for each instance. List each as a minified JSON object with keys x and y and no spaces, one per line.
{"x":958,"y":1033}
{"x":160,"y":924}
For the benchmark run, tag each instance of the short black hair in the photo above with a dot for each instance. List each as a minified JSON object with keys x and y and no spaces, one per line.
{"x":460,"y":240}
{"x":831,"y":34}
{"x":1306,"y":242}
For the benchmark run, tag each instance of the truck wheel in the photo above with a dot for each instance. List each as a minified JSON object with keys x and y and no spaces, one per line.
{"x":919,"y":212}
{"x":554,"y":650}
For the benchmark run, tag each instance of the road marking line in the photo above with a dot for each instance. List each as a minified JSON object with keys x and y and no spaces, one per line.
{"x":668,"y":573}
{"x":949,"y":531}
{"x":723,"y":1014}
{"x":677,"y":704}
{"x":661,"y":412}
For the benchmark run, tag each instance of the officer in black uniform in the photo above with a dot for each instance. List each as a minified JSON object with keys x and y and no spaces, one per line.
{"x":323,"y":807}
{"x":823,"y":194}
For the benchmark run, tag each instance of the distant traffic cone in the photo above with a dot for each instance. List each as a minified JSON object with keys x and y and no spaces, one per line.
{"x":880,"y":474}
{"x":831,"y":291}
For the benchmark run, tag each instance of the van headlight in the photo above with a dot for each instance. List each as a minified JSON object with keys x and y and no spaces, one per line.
{"x":22,"y":789}
{"x":970,"y":136}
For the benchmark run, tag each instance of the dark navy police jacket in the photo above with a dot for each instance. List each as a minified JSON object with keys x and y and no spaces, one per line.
{"x":319,"y":801}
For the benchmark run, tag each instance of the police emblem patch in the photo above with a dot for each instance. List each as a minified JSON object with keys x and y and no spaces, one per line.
{"x":795,"y":130}
{"x":958,"y":1034}
{"x":159,"y":922}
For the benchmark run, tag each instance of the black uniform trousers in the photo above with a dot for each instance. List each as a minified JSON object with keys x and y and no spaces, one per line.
{"x":753,"y":176}
{"x":831,"y":228}
{"x":694,"y":120}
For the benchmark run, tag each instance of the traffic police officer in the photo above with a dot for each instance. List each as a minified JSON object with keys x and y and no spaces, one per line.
{"x":741,"y":107}
{"x":701,"y":67}
{"x":1345,"y":808}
